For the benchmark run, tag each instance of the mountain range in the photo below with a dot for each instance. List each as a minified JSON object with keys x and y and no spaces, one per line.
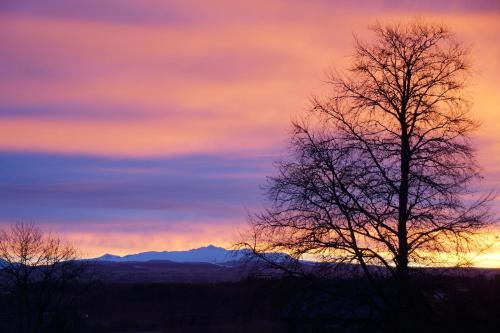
{"x":207,"y":254}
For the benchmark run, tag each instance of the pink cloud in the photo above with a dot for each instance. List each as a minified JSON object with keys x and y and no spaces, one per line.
{"x":198,"y":77}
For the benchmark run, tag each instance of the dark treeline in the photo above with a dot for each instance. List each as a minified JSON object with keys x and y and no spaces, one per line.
{"x":450,"y":304}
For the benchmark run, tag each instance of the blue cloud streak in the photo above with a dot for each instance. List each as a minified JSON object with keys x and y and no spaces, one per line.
{"x":75,"y":188}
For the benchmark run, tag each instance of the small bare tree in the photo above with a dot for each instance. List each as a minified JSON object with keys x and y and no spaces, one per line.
{"x":381,"y":170}
{"x":35,"y":269}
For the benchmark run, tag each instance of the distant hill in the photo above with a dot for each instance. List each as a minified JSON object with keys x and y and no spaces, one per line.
{"x":155,"y":271}
{"x":207,"y":254}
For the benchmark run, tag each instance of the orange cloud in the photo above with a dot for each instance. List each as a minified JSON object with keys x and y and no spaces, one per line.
{"x":94,"y":240}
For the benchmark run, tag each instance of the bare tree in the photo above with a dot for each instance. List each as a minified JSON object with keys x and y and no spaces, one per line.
{"x":381,"y":170}
{"x":35,"y":269}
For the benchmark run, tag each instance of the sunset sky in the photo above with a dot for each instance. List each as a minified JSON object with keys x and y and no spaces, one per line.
{"x":128,"y":126}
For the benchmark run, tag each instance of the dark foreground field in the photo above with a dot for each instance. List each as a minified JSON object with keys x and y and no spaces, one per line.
{"x":120,"y":302}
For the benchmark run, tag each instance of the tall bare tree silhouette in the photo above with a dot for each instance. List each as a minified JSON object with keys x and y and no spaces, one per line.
{"x":381,"y":170}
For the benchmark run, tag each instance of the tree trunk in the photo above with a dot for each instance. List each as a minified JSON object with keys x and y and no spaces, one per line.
{"x":402,"y":272}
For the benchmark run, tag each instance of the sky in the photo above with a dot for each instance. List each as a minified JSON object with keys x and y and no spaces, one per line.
{"x":129,"y":126}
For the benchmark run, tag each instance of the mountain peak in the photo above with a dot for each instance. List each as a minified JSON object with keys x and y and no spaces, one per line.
{"x":209,"y":247}
{"x":108,"y":256}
